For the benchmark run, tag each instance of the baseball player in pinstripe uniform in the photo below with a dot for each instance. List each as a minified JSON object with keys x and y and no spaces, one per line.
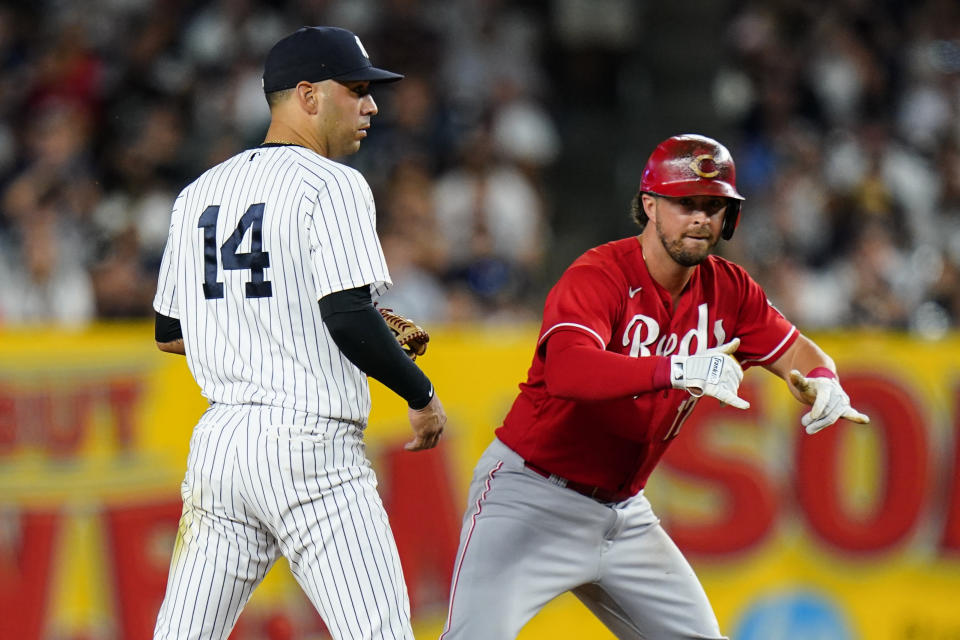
{"x":266,"y":286}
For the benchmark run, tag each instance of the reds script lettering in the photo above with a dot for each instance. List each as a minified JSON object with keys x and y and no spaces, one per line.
{"x":640,"y":341}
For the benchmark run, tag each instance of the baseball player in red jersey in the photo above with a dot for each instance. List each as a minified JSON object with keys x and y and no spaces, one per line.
{"x":634,"y":334}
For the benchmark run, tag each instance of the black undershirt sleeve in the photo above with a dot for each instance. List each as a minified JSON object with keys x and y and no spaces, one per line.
{"x":166,"y":329}
{"x":362,"y":335}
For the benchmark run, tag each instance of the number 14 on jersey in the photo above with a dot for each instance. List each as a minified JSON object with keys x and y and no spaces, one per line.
{"x":256,"y":260}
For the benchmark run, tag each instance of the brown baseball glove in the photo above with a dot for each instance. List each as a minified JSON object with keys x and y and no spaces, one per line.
{"x":413,"y":340}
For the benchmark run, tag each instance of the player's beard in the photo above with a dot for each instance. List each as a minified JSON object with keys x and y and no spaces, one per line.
{"x":683,"y":255}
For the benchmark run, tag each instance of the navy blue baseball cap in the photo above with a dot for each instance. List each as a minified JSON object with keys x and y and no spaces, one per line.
{"x":314,"y":54}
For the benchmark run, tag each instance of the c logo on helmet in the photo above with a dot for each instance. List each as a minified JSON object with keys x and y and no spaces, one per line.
{"x":705,"y":166}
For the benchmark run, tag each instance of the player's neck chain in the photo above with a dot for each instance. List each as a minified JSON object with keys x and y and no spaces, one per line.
{"x":280,"y":143}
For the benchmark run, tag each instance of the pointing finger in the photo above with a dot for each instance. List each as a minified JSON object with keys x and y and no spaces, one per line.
{"x":853,"y":415}
{"x":734,"y":401}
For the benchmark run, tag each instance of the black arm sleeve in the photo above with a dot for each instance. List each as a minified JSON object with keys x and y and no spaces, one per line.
{"x":166,"y":329}
{"x":363,"y":336}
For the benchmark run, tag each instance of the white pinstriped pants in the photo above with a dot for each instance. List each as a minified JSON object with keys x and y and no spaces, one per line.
{"x":262,"y":481}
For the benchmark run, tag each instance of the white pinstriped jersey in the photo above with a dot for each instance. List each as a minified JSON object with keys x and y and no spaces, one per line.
{"x":254,"y":243}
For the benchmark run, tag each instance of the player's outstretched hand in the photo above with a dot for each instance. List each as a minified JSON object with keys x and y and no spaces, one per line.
{"x":830,"y":402}
{"x":427,"y":425}
{"x":715,"y":373}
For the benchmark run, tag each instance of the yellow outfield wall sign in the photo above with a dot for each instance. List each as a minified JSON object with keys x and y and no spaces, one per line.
{"x":851,"y":534}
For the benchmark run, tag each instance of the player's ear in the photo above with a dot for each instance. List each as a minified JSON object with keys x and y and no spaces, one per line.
{"x":649,"y":204}
{"x":308,"y":97}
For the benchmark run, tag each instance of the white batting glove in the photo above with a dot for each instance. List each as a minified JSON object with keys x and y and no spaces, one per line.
{"x":712,"y":373}
{"x":830,"y":402}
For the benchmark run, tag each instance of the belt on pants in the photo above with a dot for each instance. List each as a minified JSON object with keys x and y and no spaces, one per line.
{"x":596,"y":493}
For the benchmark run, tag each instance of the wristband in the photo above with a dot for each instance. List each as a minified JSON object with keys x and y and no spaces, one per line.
{"x":661,"y":374}
{"x":822,"y":372}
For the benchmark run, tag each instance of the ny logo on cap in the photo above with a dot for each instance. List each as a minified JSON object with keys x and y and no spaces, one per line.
{"x":360,"y":44}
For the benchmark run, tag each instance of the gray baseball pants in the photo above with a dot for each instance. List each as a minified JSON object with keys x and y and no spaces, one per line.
{"x":525,"y":540}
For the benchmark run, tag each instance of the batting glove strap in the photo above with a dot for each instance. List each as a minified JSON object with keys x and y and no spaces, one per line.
{"x":709,"y":374}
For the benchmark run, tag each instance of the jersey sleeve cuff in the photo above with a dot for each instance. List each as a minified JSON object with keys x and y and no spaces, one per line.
{"x":572,"y":325}
{"x":378,"y":286}
{"x":168,"y":310}
{"x":778,"y":351}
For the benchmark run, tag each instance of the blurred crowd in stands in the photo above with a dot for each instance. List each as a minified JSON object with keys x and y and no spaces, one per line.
{"x":848,"y":142}
{"x":843,"y":117}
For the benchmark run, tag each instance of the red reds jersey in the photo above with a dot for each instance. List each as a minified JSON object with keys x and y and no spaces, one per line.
{"x":608,"y":294}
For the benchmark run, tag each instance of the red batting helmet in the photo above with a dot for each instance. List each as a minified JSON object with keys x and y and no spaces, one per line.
{"x":694,"y":165}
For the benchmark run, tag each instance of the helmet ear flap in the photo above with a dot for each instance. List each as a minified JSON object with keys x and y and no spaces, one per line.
{"x":730,"y":218}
